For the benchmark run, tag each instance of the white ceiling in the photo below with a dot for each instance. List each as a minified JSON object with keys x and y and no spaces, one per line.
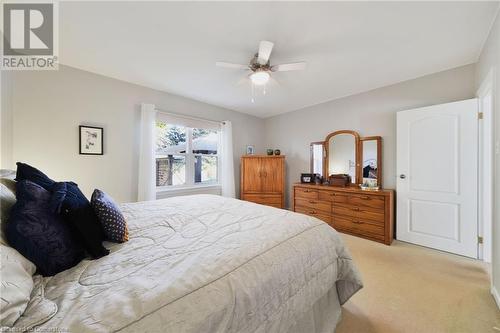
{"x":350,"y":47}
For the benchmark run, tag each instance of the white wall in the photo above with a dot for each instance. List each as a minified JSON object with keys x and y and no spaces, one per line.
{"x":370,"y":113}
{"x":490,"y":59}
{"x":5,"y":122}
{"x":41,"y":116}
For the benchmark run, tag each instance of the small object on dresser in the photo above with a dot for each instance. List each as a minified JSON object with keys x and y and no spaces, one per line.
{"x":250,"y":150}
{"x":306,"y":178}
{"x":340,"y":180}
{"x":370,"y":186}
{"x":318,"y":180}
{"x":277,"y":152}
{"x":270,"y":152}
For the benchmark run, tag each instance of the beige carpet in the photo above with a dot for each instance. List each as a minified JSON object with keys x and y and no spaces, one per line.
{"x":409,"y":288}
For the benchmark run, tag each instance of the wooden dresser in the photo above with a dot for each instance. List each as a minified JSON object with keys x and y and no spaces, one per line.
{"x":350,"y":210}
{"x":263,"y":179}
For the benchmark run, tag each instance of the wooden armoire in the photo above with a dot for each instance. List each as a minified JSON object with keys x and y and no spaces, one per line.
{"x":263,"y":179}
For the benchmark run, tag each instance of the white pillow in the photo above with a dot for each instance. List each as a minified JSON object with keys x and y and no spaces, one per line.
{"x":7,"y":200}
{"x":16,"y":277}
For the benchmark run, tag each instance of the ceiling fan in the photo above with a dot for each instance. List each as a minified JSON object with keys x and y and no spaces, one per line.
{"x":260,"y":66}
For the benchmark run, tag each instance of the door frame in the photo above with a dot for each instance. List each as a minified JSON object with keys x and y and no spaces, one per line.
{"x":486,"y":168}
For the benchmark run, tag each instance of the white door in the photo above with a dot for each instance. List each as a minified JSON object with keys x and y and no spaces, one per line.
{"x":437,"y":164}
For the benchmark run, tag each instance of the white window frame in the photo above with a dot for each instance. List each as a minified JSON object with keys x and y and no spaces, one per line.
{"x":190,"y":157}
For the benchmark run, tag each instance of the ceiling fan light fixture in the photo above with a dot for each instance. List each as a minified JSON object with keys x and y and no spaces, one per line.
{"x":260,"y":78}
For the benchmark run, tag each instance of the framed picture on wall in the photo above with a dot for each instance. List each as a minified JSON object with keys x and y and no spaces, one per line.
{"x":91,"y":140}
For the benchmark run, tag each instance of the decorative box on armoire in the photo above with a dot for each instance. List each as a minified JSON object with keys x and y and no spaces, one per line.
{"x":263,"y":179}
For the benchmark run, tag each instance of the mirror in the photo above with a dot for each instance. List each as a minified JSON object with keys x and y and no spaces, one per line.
{"x":317,"y":155}
{"x":342,"y":154}
{"x":371,"y":167}
{"x":345,"y":152}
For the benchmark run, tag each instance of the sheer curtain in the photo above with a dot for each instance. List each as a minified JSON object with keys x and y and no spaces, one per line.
{"x":147,"y":178}
{"x":227,"y":162}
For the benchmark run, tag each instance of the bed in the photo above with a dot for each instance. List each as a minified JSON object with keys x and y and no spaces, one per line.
{"x":204,"y":263}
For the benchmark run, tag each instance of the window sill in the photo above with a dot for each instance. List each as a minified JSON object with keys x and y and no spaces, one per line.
{"x":188,"y":188}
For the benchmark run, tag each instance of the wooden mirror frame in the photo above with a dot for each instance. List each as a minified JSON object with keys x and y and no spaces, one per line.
{"x":379,"y":157}
{"x":311,"y":157}
{"x":357,"y":172}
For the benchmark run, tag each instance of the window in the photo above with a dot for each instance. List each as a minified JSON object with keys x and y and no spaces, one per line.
{"x":186,"y":155}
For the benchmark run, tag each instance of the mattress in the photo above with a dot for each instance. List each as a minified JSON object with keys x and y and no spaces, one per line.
{"x":205,"y":263}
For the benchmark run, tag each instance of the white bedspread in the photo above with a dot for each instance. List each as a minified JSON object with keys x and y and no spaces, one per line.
{"x":205,"y":264}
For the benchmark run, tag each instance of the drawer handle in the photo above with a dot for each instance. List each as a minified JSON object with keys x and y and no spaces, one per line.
{"x":365,"y":197}
{"x":355,"y":209}
{"x":312,"y":201}
{"x":307,"y":191}
{"x":312,"y":212}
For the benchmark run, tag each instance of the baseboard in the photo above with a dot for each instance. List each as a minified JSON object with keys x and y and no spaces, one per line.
{"x":496,"y":295}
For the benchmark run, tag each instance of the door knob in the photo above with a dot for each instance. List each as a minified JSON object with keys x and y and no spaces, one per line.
{"x":402,"y":176}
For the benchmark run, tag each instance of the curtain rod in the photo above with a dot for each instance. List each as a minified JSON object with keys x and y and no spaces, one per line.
{"x":189,"y":117}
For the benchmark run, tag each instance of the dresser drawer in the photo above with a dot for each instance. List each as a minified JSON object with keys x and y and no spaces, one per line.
{"x":341,"y":197}
{"x":359,"y":227}
{"x":372,"y":215}
{"x":326,"y":195}
{"x":306,"y":193}
{"x":372,"y":201}
{"x":365,"y":226}
{"x":324,"y":206}
{"x":313,"y":212}
{"x":264,"y":199}
{"x":343,"y":210}
{"x":341,"y":223}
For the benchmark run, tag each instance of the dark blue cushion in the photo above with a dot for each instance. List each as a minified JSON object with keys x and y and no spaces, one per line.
{"x":59,"y":191}
{"x":75,"y":208}
{"x":27,"y":172}
{"x":39,"y":234}
{"x":111,"y":218}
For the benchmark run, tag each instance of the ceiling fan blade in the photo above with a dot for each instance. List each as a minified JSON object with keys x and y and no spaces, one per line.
{"x":230,"y":65}
{"x":296,"y":66}
{"x":265,"y":49}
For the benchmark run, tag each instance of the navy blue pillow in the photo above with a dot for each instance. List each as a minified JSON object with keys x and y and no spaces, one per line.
{"x":74,"y":207}
{"x":111,"y":218}
{"x":59,"y":191}
{"x":27,"y":172}
{"x":39,"y":234}
{"x":77,"y":210}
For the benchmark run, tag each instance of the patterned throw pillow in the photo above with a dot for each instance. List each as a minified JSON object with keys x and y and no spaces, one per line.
{"x":111,"y":218}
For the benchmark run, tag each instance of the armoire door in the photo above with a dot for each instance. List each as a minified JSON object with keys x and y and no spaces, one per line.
{"x":251,"y":171}
{"x":437,"y":186}
{"x":272,"y":175}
